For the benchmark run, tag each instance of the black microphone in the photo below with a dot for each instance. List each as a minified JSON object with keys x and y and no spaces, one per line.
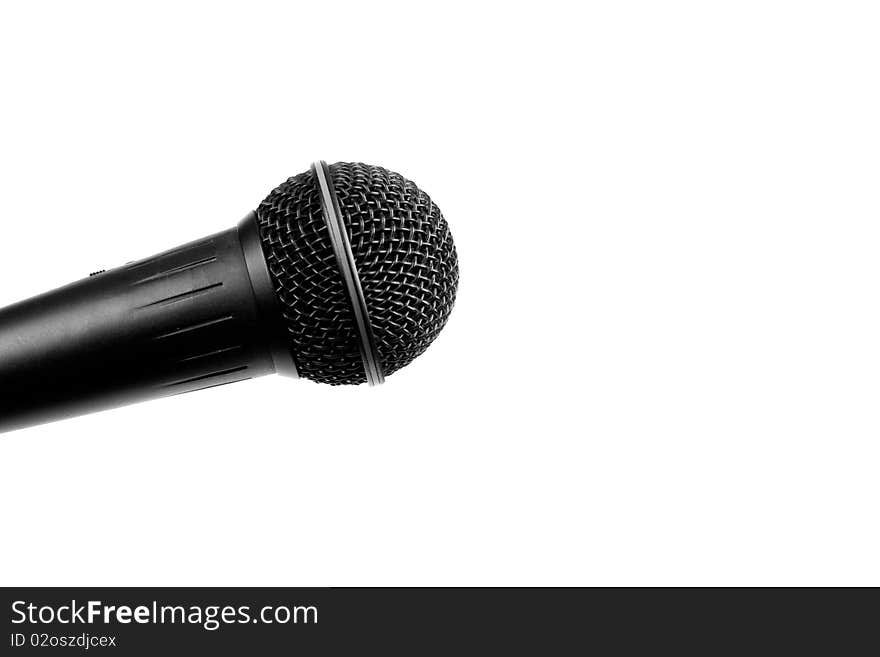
{"x":343,"y":275}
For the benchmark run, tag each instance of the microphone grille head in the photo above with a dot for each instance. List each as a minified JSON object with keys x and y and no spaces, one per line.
{"x":403,"y":254}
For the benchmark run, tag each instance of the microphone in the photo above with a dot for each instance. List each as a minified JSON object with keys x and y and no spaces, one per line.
{"x":343,"y":275}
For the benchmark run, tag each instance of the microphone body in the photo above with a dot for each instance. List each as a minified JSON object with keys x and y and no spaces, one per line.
{"x":342,"y":275}
{"x":194,"y":317}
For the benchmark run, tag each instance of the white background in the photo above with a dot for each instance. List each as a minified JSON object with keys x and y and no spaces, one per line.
{"x":664,"y":363}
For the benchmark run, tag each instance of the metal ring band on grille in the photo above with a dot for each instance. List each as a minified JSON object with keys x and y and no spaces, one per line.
{"x":348,"y":271}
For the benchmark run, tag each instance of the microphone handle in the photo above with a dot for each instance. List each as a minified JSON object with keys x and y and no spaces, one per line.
{"x":194,"y":317}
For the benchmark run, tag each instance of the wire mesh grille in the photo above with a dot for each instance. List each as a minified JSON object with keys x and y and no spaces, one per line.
{"x":405,"y":257}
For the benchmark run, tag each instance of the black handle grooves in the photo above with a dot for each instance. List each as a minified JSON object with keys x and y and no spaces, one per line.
{"x":183,"y":320}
